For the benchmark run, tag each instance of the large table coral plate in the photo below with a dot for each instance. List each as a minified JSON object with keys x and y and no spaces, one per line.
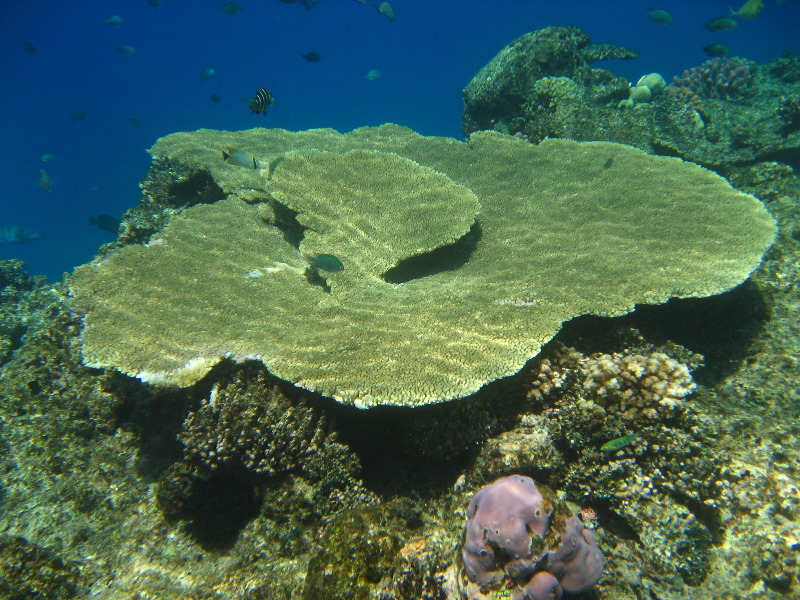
{"x":460,"y":259}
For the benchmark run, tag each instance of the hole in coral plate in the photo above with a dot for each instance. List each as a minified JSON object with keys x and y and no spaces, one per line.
{"x":440,"y":260}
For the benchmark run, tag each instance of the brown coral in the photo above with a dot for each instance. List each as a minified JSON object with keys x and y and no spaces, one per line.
{"x":648,"y":387}
{"x":251,"y":424}
{"x":643,"y":387}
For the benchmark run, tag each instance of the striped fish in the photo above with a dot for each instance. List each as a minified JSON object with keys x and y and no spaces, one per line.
{"x":261,"y":101}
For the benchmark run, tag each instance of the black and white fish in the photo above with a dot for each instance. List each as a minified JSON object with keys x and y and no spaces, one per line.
{"x":261,"y":101}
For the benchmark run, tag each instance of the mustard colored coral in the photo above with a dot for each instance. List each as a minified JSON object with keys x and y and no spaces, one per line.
{"x":510,"y":239}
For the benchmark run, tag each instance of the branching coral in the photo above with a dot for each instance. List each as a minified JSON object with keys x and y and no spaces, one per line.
{"x":641,"y":387}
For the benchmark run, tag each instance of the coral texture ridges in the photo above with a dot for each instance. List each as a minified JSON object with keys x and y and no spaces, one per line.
{"x":564,"y":229}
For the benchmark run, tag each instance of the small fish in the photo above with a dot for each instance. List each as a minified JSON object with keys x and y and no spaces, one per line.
{"x":750,"y":10}
{"x":207,"y":74}
{"x":154,"y":2}
{"x":28,"y":47}
{"x":618,"y":443}
{"x":231,"y":8}
{"x":78,"y":115}
{"x":240,"y":158}
{"x":113,"y":20}
{"x":47,"y":157}
{"x":373,"y":75}
{"x":720,"y":24}
{"x":386,"y":9}
{"x":17,"y":235}
{"x":312,"y":56}
{"x":326,"y":262}
{"x":126,"y":50}
{"x":261,"y":101}
{"x":659,"y":15}
{"x":44,"y":181}
{"x":309,"y":4}
{"x":716,"y":50}
{"x":134,"y":122}
{"x":214,"y":98}
{"x":361,"y":1}
{"x":107,"y":223}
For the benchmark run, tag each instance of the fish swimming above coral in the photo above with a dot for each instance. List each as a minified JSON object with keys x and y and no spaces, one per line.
{"x":113,"y":20}
{"x":240,"y":158}
{"x":749,"y":10}
{"x":261,"y":101}
{"x":207,"y":74}
{"x":716,"y":50}
{"x":17,"y":235}
{"x":78,"y":115}
{"x":126,"y":50}
{"x":231,"y":8}
{"x":312,"y":56}
{"x":107,"y":223}
{"x":659,"y":15}
{"x":326,"y":262}
{"x":386,"y":9}
{"x":373,"y":74}
{"x":720,"y":24}
{"x":44,"y":180}
{"x":619,"y":443}
{"x":48,"y":157}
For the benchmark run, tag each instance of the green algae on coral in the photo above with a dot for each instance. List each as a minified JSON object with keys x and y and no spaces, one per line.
{"x":565,"y":229}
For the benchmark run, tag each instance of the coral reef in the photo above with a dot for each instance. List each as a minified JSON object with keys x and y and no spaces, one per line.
{"x":392,"y":551}
{"x":638,"y":387}
{"x":17,"y":304}
{"x":721,"y":78}
{"x":511,"y":533}
{"x":699,"y":500}
{"x":27,"y":571}
{"x":265,"y":433}
{"x":501,"y":91}
{"x":789,"y":111}
{"x":575,"y":215}
{"x":719,"y":113}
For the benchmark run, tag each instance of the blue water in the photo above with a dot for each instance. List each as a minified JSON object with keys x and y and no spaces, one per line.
{"x":426,"y":57}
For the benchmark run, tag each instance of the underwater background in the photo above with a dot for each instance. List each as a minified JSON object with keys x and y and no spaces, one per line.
{"x":68,"y":91}
{"x":364,"y":363}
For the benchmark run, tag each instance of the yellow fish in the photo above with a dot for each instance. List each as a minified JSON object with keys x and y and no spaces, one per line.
{"x":750,"y":10}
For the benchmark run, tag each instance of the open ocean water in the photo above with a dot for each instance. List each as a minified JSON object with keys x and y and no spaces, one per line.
{"x":72,"y":90}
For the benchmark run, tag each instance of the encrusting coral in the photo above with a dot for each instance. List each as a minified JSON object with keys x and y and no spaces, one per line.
{"x":516,"y":239}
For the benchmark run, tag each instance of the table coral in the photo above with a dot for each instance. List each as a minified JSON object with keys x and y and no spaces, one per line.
{"x":533,"y":235}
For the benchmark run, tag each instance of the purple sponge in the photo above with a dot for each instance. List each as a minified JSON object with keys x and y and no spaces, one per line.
{"x":501,"y":515}
{"x":578,"y":563}
{"x":542,"y":586}
{"x":508,"y":537}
